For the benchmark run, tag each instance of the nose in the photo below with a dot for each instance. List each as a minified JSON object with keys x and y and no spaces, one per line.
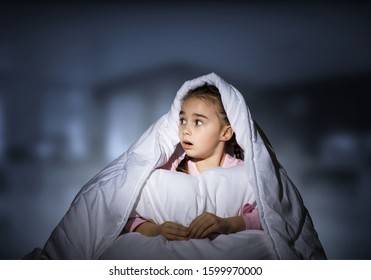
{"x":186,"y":130}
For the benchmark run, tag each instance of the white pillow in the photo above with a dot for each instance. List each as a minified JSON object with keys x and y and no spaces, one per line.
{"x":180,"y":198}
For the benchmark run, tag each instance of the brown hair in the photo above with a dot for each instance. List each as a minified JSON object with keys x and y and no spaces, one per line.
{"x":210,"y":93}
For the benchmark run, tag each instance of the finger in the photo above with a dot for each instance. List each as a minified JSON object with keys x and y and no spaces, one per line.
{"x":193,"y":228}
{"x":202,"y":230}
{"x":175,"y":226}
{"x":174,"y":231}
{"x":208,"y":231}
{"x":177,"y":232}
{"x":195,"y":224}
{"x":179,"y":229}
{"x":200,"y":224}
{"x":199,"y":228}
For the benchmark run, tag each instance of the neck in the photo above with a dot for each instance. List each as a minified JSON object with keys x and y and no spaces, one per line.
{"x":215,"y":161}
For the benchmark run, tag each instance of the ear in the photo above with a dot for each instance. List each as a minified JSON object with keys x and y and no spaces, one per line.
{"x":227,"y":133}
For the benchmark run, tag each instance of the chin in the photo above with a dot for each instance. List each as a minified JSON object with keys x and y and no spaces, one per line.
{"x":190,"y":154}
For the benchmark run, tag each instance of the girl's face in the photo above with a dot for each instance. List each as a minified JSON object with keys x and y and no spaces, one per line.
{"x":201,"y":133}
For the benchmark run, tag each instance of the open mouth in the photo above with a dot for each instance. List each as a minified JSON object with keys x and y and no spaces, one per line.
{"x":187,"y":144}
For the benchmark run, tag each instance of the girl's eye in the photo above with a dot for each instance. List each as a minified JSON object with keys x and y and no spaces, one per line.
{"x":182,"y":121}
{"x":198,"y":122}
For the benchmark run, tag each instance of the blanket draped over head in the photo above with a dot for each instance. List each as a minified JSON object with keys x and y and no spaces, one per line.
{"x":100,"y":210}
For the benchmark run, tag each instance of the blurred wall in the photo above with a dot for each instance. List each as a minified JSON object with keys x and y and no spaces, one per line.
{"x":79,"y":84}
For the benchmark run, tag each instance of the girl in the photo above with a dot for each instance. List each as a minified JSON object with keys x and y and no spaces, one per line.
{"x":99,"y":212}
{"x":204,"y":134}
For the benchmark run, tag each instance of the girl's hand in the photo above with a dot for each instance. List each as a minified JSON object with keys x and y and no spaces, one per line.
{"x":208,"y":223}
{"x":173,"y":231}
{"x":169,"y":230}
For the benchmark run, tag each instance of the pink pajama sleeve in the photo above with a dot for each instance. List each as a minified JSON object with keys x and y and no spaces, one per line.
{"x":250,"y":215}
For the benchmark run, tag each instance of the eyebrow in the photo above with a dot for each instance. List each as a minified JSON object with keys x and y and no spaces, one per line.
{"x":194,"y":114}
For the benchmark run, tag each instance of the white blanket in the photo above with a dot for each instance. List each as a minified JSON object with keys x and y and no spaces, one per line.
{"x":102,"y":207}
{"x":244,"y":245}
{"x":179,"y":197}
